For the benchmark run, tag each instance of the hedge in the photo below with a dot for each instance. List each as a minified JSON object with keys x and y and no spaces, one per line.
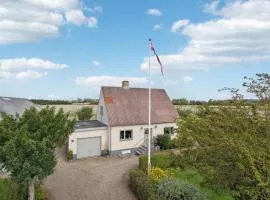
{"x":164,"y":141}
{"x":161,"y":160}
{"x":141,"y":185}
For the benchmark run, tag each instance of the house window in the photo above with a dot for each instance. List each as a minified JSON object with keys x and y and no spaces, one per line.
{"x":168,"y":130}
{"x":126,"y":135}
{"x":146,"y":131}
{"x":101,"y":111}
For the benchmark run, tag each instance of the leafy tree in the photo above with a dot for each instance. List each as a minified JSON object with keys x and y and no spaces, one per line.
{"x":27,"y":144}
{"x":85,"y":113}
{"x":233,"y":142}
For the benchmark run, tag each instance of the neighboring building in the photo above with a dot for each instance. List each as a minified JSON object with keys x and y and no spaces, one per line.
{"x":13,"y":106}
{"x":122,"y":121}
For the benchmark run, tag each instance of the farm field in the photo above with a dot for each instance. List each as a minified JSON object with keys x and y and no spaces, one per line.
{"x":75,"y":107}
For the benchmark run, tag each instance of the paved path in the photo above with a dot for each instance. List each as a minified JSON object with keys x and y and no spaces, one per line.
{"x":95,"y":178}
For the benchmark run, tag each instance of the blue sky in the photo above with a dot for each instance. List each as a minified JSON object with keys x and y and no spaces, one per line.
{"x":67,"y":49}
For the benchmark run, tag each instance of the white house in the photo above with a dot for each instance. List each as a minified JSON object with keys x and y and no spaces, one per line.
{"x":122,"y":121}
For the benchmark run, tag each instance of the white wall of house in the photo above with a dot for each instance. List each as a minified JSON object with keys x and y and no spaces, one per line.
{"x":138,"y":135}
{"x":87,"y":133}
{"x":102,"y":118}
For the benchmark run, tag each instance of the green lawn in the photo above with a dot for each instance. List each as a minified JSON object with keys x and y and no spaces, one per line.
{"x":2,"y":188}
{"x":193,"y":177}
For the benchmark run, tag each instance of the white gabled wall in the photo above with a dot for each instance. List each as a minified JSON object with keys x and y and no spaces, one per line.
{"x":138,"y":135}
{"x":87,"y":133}
{"x":101,"y":102}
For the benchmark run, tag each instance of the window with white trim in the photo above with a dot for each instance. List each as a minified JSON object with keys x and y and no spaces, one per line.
{"x":169,"y":130}
{"x":126,"y":135}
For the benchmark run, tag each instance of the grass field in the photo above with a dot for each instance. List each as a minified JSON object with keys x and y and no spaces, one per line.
{"x":193,"y":177}
{"x":2,"y":188}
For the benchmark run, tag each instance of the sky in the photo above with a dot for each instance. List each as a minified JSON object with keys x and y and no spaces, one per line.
{"x":67,"y":49}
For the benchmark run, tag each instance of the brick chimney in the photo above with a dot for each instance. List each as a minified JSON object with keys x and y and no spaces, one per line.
{"x":125,"y":84}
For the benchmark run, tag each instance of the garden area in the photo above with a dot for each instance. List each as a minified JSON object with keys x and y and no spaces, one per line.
{"x":170,"y":179}
{"x":219,"y":152}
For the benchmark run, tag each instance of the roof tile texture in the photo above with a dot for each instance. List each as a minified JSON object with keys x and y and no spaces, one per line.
{"x":130,"y":106}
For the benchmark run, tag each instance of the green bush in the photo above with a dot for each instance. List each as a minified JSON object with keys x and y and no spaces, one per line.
{"x":164,"y":141}
{"x":69,"y":155}
{"x":141,"y":185}
{"x":174,"y":189}
{"x":13,"y":191}
{"x":85,"y":113}
{"x":41,"y":194}
{"x":161,"y":160}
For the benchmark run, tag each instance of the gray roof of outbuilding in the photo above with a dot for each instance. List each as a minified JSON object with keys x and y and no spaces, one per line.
{"x":89,"y":124}
{"x":13,"y":106}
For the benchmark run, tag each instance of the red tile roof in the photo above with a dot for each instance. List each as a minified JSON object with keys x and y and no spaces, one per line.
{"x":130,"y":106}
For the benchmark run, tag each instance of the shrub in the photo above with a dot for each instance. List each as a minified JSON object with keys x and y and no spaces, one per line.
{"x":164,"y":141}
{"x":161,"y":160}
{"x":157,"y":174}
{"x":141,"y":185}
{"x":85,"y":113}
{"x":41,"y":194}
{"x":13,"y":191}
{"x":175,"y":189}
{"x":179,"y":161}
{"x":69,"y":155}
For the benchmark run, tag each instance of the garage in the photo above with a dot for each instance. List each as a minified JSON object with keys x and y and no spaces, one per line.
{"x":88,"y":147}
{"x":89,"y":139}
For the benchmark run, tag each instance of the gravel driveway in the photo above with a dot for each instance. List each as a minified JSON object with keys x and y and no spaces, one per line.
{"x":94,"y":178}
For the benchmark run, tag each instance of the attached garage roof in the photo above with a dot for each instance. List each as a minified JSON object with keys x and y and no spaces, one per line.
{"x":89,"y":124}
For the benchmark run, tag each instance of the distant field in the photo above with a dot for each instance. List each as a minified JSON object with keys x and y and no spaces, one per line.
{"x":73,"y":107}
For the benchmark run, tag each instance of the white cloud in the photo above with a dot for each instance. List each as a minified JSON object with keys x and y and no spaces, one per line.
{"x":188,"y":78}
{"x":31,"y":63}
{"x":179,"y":24}
{"x":97,"y":81}
{"x":53,"y":97}
{"x":240,"y":35}
{"x":157,"y":26}
{"x":96,"y":63}
{"x":76,"y":17}
{"x":23,"y":68}
{"x":153,"y":12}
{"x":29,"y":75}
{"x":92,"y":22}
{"x":98,"y":9}
{"x":40,"y":19}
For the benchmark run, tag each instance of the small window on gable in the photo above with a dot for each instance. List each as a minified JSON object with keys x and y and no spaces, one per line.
{"x":126,"y":135}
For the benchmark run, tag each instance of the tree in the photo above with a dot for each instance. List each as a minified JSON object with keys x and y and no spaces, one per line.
{"x":27,"y":144}
{"x":233,"y":142}
{"x":85,"y":113}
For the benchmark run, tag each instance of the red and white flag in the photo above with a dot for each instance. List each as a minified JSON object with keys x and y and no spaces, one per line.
{"x":154,"y":51}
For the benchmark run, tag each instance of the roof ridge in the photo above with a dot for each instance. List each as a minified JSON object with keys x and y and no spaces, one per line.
{"x":132,"y":88}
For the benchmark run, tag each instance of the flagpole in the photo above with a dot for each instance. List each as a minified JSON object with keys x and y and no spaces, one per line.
{"x":149,"y":113}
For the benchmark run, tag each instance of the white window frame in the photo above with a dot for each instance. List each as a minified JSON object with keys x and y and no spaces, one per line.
{"x":126,"y":139}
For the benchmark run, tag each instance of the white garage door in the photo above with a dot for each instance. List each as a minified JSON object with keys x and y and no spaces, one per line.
{"x":87,"y":147}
